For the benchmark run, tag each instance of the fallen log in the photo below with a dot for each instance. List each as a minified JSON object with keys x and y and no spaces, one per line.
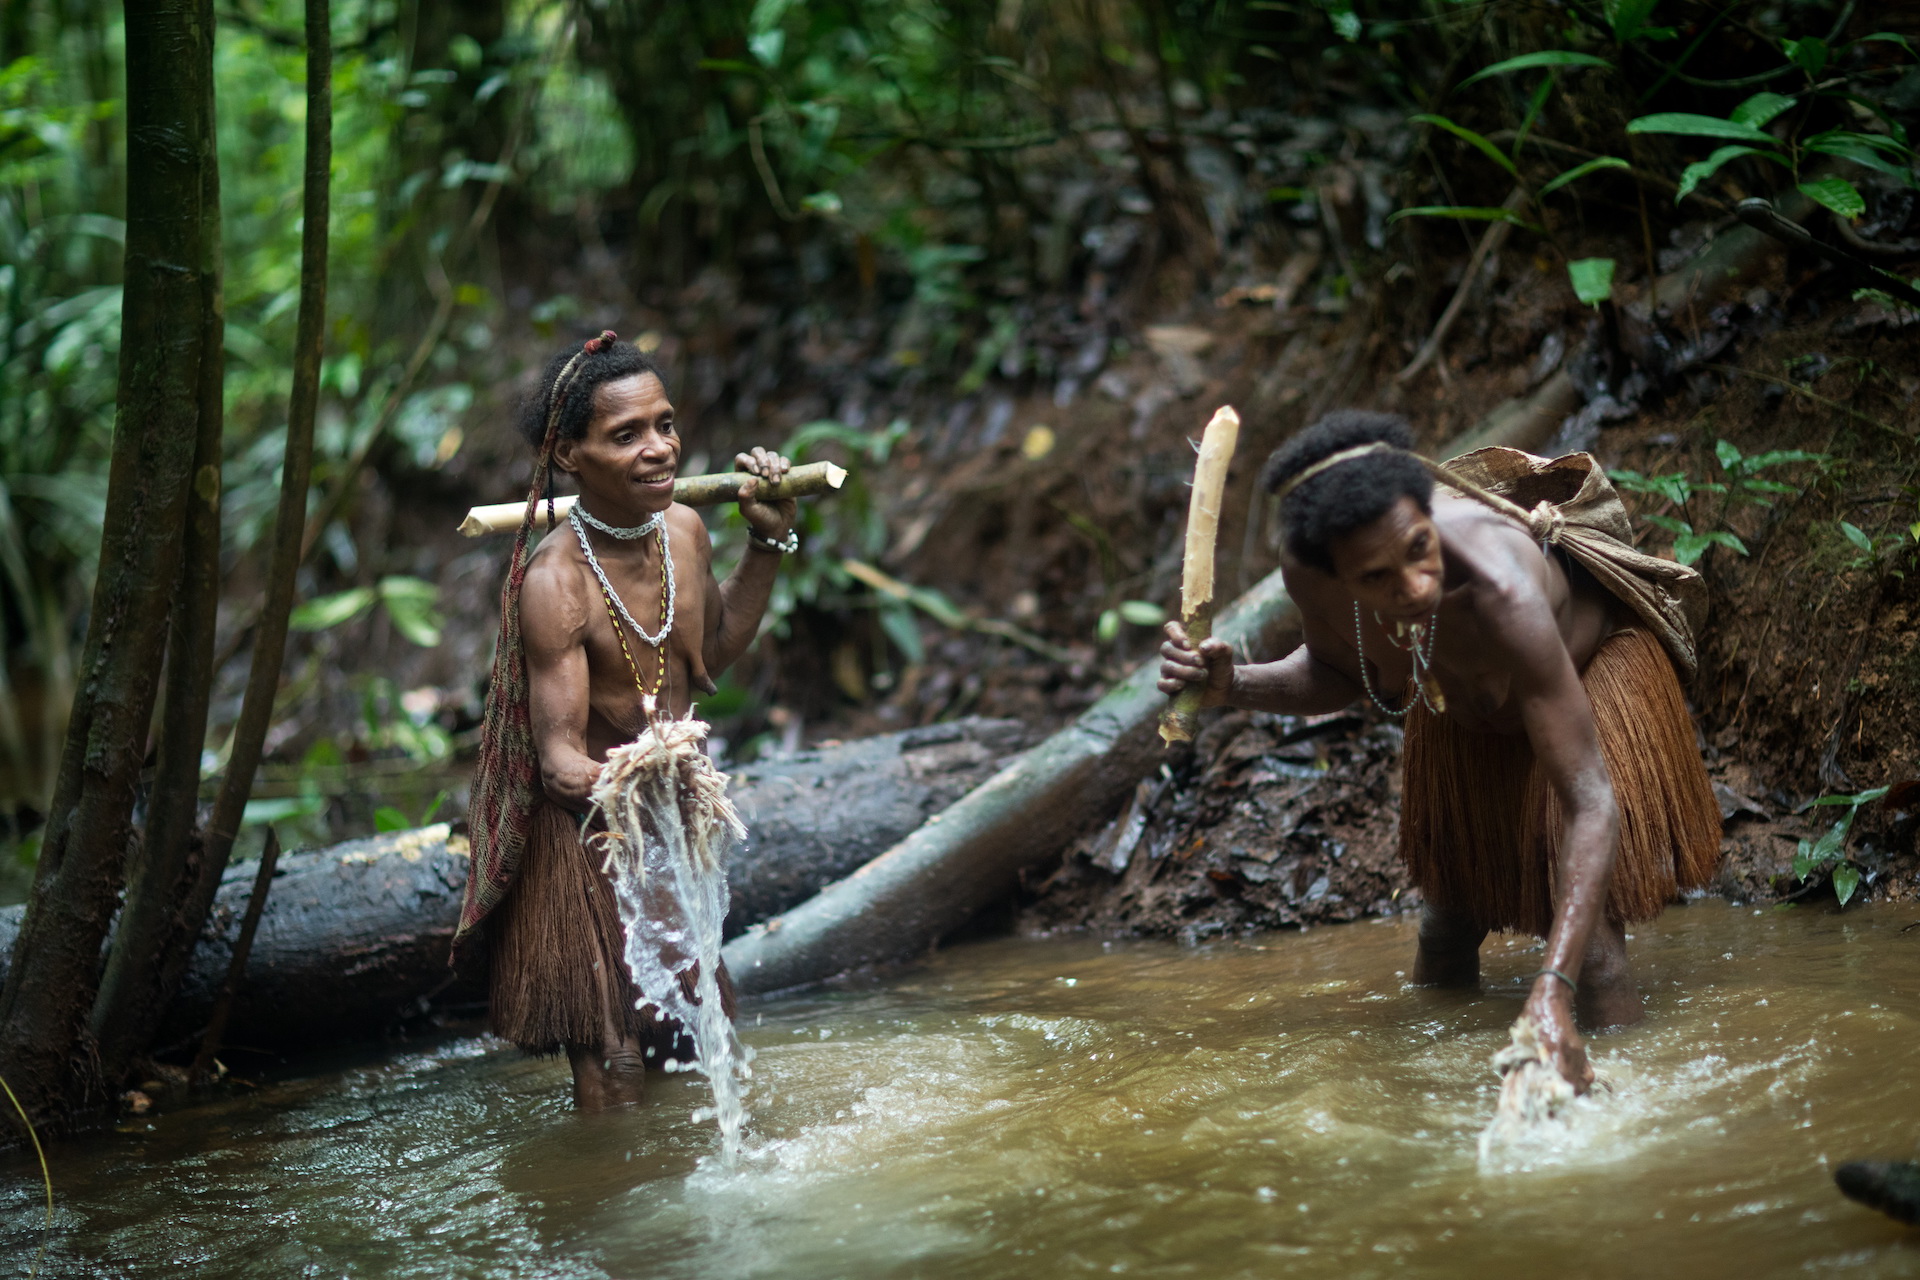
{"x":970,"y":855}
{"x":352,"y":941}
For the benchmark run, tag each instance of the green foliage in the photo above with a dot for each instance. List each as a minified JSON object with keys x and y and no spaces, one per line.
{"x":1139,"y":613}
{"x":1766,"y":126}
{"x":1592,"y":279}
{"x":388,"y":817}
{"x":1742,"y":483}
{"x":411,"y":605}
{"x":1828,"y":853}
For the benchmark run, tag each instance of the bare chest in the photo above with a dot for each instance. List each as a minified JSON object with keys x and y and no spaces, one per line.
{"x":637,"y":606}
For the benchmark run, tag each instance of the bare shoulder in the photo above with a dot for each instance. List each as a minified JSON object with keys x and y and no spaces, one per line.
{"x":685,"y":522}
{"x":1506,"y":564}
{"x":555,"y":598}
{"x":686,"y":526}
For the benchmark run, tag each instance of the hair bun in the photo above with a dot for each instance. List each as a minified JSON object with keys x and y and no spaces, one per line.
{"x":594,"y":346}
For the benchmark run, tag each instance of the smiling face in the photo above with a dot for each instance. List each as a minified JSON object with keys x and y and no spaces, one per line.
{"x":627,"y":459}
{"x":1393,"y":565}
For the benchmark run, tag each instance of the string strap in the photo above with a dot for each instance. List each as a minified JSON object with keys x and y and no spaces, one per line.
{"x":1555,"y":973}
{"x":1543,"y":523}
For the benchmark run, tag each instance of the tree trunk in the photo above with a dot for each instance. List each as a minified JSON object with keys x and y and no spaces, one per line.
{"x":195,"y":896}
{"x":46,"y":1053}
{"x":133,"y":990}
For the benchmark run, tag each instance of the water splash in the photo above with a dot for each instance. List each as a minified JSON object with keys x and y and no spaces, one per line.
{"x":670,"y":829}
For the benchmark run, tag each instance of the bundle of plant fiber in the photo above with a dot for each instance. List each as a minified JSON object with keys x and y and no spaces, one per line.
{"x":1532,"y":1090}
{"x":670,"y":828}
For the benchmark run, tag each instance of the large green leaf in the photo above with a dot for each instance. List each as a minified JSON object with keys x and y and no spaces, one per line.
{"x":1700,"y":170}
{"x":410,"y":603}
{"x":1592,"y":279}
{"x":1810,"y":54}
{"x":1582,"y":170}
{"x":1689,"y":547}
{"x":1837,"y":195}
{"x":1466,"y":213}
{"x":1853,"y":801}
{"x":1760,"y":108}
{"x":1628,"y":18}
{"x":1852,"y":147}
{"x":1693,"y":126}
{"x":1544,"y":58}
{"x":1846,"y":878}
{"x":897,"y":620}
{"x":1469,"y":136}
{"x":322,"y":612}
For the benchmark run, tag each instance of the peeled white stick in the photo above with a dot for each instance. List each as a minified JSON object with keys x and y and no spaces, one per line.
{"x":1179,"y":721}
{"x":693,"y":491}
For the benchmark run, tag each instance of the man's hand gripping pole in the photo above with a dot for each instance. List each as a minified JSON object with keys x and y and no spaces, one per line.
{"x":1179,"y":721}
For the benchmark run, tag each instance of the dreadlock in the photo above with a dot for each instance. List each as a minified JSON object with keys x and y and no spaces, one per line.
{"x":565,"y":395}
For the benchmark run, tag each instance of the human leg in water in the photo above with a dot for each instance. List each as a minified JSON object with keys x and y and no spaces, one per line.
{"x":1449,"y":952}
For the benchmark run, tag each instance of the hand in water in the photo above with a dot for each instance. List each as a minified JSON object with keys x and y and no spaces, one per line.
{"x":1181,"y":665}
{"x":1550,"y":1009}
{"x":771,"y":520}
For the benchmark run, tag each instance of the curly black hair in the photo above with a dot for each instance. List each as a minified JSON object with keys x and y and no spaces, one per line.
{"x":1348,"y":495}
{"x":600,"y":362}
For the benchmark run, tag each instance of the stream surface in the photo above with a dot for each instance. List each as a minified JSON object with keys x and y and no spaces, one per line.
{"x":1013,"y":1108}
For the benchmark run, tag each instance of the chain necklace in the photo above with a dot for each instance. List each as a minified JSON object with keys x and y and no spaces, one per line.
{"x":657,"y":520}
{"x":1426,"y":686}
{"x":617,"y":608}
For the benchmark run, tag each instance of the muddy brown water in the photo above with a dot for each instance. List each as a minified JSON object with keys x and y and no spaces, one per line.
{"x":1012,"y":1108}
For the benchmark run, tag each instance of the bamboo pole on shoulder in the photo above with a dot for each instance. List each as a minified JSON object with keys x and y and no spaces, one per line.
{"x":812,"y":480}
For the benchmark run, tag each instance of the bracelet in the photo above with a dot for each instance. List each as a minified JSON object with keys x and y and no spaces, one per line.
{"x":1555,"y":973}
{"x":786,"y":546}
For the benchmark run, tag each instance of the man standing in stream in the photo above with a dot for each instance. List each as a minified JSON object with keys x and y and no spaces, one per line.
{"x":615,"y":614}
{"x":1552,"y":784}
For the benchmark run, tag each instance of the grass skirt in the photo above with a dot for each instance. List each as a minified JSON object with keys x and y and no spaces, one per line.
{"x":557,"y":967}
{"x":1480,"y":826}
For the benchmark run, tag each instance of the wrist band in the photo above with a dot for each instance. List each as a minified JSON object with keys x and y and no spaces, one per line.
{"x":1555,"y":973}
{"x":786,"y":546}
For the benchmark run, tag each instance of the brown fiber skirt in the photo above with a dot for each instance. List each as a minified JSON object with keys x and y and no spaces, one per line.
{"x":1480,"y":827}
{"x":557,"y":967}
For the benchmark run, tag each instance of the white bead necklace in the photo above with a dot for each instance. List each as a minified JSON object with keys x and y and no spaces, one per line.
{"x":640,"y":531}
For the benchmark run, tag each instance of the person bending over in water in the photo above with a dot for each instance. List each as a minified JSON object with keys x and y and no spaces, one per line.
{"x":619,"y":608}
{"x":1551,"y":780}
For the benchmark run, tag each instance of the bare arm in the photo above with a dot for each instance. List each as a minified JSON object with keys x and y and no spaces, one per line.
{"x":736,"y":606}
{"x":554,"y":608}
{"x":1560,"y":726}
{"x":1299,"y":684}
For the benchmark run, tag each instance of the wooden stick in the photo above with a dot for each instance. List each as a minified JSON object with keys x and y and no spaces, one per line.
{"x":237,"y":966}
{"x":1178,"y":722}
{"x":693,"y":491}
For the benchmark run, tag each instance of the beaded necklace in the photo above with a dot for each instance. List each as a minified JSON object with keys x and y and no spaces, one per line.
{"x":1426,"y":687}
{"x":617,"y":608}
